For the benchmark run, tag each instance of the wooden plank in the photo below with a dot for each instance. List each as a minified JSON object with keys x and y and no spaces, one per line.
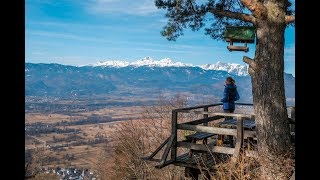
{"x":239,"y":142}
{"x":193,"y":111}
{"x":208,"y":147}
{"x":249,"y":116}
{"x":204,"y":120}
{"x":206,"y":109}
{"x":199,"y":136}
{"x":215,"y":130}
{"x":174,"y":123}
{"x":209,"y":105}
{"x":198,"y":107}
{"x":238,"y":48}
{"x":157,"y":150}
{"x":166,"y":151}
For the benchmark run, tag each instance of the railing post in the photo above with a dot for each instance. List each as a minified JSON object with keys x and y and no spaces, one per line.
{"x":174,"y":134}
{"x":206,"y":109}
{"x":239,"y":142}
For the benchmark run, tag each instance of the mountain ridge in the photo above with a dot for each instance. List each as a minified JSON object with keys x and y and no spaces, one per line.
{"x":233,"y":68}
{"x":56,"y":80}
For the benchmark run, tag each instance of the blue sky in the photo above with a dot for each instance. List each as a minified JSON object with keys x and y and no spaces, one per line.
{"x":74,"y":32}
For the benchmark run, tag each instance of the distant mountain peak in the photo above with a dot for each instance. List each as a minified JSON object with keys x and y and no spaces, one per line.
{"x":232,"y":68}
{"x":146,"y":61}
{"x":240,"y":70}
{"x":114,"y":63}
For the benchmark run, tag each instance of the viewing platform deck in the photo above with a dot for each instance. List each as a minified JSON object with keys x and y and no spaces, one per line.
{"x":231,"y":134}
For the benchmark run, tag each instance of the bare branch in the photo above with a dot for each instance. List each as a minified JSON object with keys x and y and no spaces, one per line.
{"x":251,"y":71}
{"x":290,"y":19}
{"x":257,"y":8}
{"x":251,"y":63}
{"x":234,"y":15}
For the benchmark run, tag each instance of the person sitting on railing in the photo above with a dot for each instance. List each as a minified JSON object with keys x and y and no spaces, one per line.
{"x":230,"y":95}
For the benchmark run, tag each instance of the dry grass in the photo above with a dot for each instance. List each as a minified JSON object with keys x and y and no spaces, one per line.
{"x":136,"y":139}
{"x":247,"y":168}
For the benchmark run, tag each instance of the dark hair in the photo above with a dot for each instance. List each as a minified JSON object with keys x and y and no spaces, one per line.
{"x":230,"y":79}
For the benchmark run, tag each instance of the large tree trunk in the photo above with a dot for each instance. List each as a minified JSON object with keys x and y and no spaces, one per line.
{"x":269,"y":100}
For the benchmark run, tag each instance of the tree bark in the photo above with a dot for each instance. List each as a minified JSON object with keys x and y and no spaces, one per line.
{"x":269,"y":94}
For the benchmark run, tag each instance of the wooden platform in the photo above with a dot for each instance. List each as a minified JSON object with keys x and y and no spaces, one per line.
{"x":198,"y":136}
{"x":240,"y":126}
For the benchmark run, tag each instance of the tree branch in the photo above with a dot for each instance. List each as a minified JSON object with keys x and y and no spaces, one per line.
{"x":257,"y":8}
{"x":290,"y":19}
{"x":251,"y":63}
{"x":234,"y":15}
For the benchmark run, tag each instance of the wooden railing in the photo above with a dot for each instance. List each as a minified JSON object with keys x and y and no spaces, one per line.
{"x":201,"y":125}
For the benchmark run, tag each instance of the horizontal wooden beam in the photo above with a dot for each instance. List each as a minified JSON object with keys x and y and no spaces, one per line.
{"x":250,"y":116}
{"x":243,"y":104}
{"x":200,"y":112}
{"x":203,"y":147}
{"x":197,"y":107}
{"x":157,"y":150}
{"x":193,"y":111}
{"x":215,"y":130}
{"x":204,"y":120}
{"x":238,"y":48}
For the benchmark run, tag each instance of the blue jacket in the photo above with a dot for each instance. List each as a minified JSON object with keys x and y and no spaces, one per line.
{"x":229,"y":104}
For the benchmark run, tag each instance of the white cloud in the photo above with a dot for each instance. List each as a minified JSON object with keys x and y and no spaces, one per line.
{"x":141,"y":7}
{"x":176,"y":48}
{"x":66,"y":36}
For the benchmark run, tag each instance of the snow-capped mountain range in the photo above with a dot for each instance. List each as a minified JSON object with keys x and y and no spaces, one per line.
{"x":232,"y":68}
{"x":139,"y":79}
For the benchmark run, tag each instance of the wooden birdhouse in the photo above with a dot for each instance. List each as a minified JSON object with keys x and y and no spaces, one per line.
{"x":239,"y":34}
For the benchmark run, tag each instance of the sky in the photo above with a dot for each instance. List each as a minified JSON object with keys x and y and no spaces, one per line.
{"x":74,"y":32}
